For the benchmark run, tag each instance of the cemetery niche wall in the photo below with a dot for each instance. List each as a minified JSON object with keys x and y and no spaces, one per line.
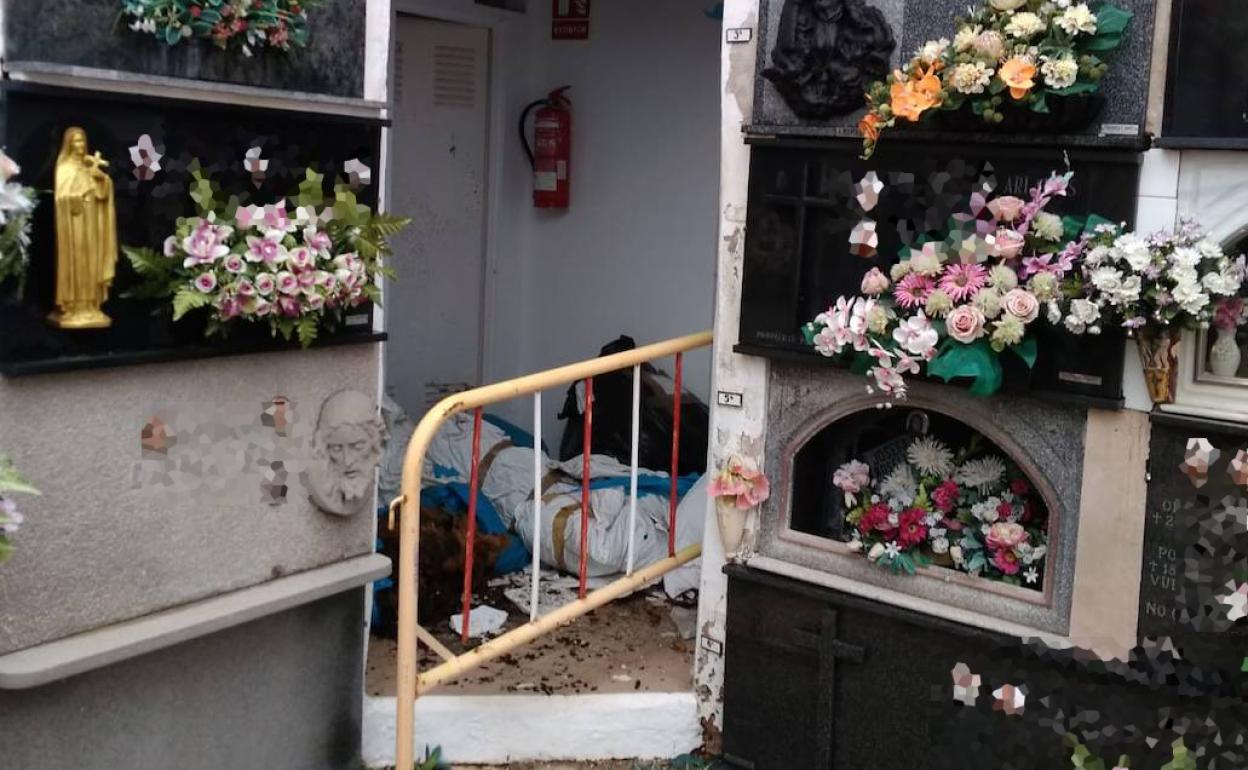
{"x":62,"y":34}
{"x":810,"y":240}
{"x":855,"y":636}
{"x":177,"y":533}
{"x":153,"y":147}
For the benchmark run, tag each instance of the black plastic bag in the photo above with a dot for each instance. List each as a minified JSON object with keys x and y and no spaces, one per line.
{"x":613,"y":413}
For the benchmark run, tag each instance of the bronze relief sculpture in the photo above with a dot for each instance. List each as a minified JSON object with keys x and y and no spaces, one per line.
{"x":826,"y":54}
{"x":86,"y":235}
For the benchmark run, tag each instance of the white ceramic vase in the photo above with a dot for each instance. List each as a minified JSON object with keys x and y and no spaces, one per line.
{"x":731,"y":524}
{"x":1224,"y":355}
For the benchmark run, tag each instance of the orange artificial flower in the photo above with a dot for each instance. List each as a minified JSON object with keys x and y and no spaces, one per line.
{"x":1017,"y":73}
{"x":911,"y":98}
{"x":869,"y":127}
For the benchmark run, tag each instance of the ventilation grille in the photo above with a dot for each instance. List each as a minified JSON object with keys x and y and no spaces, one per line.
{"x":454,"y":76}
{"x":398,"y":72}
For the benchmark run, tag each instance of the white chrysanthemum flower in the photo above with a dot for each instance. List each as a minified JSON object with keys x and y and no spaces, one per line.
{"x":987,"y":511}
{"x":1185,"y":256}
{"x":1185,"y":276}
{"x":1083,"y":313}
{"x":1060,"y":72}
{"x":932,"y":50}
{"x":988,"y":302}
{"x":930,"y":456}
{"x":1047,"y":226}
{"x":900,"y":485}
{"x":1107,"y":280}
{"x":1045,"y":287}
{"x":971,"y":77}
{"x":1134,"y":250}
{"x":984,"y":474}
{"x":940,"y":545}
{"x":1129,"y":291}
{"x":1024,"y":25}
{"x":1098,"y":254}
{"x":1077,"y":19}
{"x":1002,"y":277}
{"x":966,"y":38}
{"x":1209,"y":249}
{"x":1190,"y":297}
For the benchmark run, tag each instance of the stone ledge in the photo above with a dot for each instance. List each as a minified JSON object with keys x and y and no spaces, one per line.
{"x":45,"y":663}
{"x":117,"y":81}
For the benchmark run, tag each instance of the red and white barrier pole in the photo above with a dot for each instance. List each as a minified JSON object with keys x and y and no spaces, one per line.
{"x":470,"y":536}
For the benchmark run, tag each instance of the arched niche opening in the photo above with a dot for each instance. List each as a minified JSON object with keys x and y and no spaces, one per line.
{"x":912,"y":489}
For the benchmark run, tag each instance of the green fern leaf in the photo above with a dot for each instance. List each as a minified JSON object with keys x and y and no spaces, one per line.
{"x":307,"y":330}
{"x":147,"y":262}
{"x":188,"y":299}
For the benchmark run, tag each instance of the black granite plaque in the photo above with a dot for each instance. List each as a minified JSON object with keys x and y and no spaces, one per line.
{"x":1207,"y":73}
{"x":914,"y":22}
{"x":802,"y":213}
{"x":218,"y":138}
{"x":816,"y":678}
{"x":87,"y":33}
{"x":1195,"y":545}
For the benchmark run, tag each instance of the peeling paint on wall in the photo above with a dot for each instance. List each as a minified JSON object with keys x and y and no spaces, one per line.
{"x":733,"y":430}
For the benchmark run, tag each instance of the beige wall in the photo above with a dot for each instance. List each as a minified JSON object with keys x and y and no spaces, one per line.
{"x":103,"y":545}
{"x":1110,"y":549}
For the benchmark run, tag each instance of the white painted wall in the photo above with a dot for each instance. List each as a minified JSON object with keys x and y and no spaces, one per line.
{"x":732,"y":430}
{"x":635,"y":252}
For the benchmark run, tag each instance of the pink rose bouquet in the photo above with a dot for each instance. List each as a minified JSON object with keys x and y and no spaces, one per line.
{"x":296,"y":266}
{"x":953,"y":305}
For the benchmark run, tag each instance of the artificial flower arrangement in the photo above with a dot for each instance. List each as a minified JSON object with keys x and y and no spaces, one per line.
{"x":1155,"y":286}
{"x":297,"y":268}
{"x":11,"y":519}
{"x":16,"y":204}
{"x":738,"y":486}
{"x":953,"y":306}
{"x":971,"y":511}
{"x":1007,"y":56}
{"x":245,"y":25}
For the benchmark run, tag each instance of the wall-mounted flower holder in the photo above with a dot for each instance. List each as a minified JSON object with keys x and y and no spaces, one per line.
{"x":155,"y":147}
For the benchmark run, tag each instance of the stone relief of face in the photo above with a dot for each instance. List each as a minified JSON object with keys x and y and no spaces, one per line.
{"x":349,"y":436}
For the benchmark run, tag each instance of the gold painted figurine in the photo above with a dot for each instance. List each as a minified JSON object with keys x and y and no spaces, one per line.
{"x":86,"y":235}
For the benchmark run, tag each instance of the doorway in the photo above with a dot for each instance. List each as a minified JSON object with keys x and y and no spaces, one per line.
{"x":438,"y":161}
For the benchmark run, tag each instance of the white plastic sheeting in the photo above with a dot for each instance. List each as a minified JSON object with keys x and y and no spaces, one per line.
{"x":508,"y":483}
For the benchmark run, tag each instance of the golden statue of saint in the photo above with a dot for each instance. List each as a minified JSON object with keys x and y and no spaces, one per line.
{"x":86,"y":235}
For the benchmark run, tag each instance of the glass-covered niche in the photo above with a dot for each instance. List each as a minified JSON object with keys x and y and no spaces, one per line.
{"x":1223,"y":348}
{"x":914,"y":488}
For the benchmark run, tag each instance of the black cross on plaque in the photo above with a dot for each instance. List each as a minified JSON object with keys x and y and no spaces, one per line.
{"x":830,"y":650}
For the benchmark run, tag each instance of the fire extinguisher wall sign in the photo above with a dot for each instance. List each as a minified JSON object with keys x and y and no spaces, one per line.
{"x":570,"y":20}
{"x":551,"y":150}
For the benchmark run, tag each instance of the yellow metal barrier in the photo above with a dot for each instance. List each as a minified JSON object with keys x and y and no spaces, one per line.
{"x":409,"y":680}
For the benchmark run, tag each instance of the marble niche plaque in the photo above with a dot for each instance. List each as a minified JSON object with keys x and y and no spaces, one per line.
{"x":910,"y":24}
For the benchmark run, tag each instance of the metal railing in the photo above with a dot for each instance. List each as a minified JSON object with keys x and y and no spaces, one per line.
{"x":410,"y":682}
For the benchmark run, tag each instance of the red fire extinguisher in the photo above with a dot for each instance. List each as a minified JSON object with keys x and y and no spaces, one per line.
{"x":551,"y":152}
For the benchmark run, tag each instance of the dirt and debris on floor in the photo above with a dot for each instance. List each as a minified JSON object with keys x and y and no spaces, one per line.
{"x":640,"y":643}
